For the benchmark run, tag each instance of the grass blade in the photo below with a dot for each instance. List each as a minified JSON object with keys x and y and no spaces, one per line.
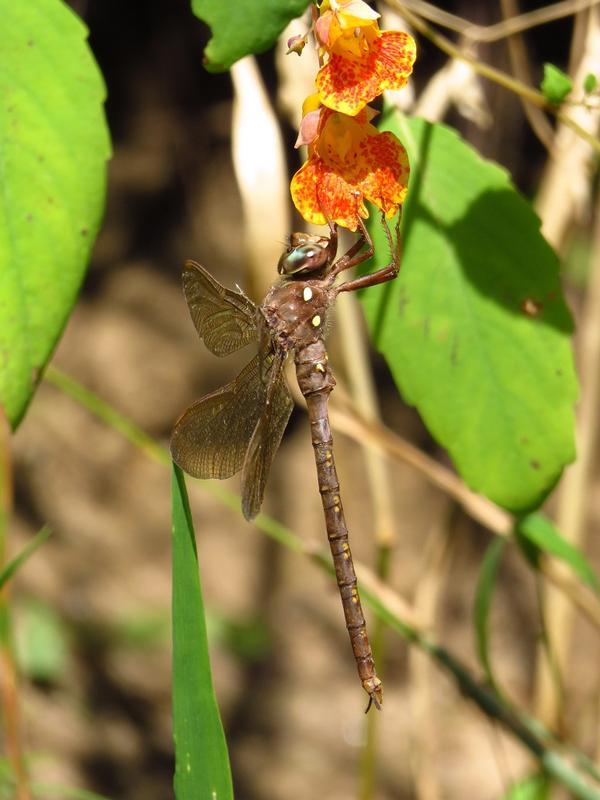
{"x":537,"y":530}
{"x":201,"y":760}
{"x":483,"y":602}
{"x":10,"y":569}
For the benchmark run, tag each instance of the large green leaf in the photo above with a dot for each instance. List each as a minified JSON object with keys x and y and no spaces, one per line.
{"x":201,"y":759}
{"x":475,"y":329}
{"x":52,"y":169}
{"x":241,"y":27}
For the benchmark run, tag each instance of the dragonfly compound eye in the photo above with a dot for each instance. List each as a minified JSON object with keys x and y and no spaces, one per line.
{"x":302,"y":259}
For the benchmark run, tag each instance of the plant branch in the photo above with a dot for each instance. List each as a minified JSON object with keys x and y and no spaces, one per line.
{"x":384,"y":602}
{"x":517,"y":52}
{"x":493,"y":74}
{"x":494,"y":518}
{"x":498,"y":30}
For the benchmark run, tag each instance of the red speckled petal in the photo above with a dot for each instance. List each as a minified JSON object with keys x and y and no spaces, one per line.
{"x":386,"y":181}
{"x":347,"y":84}
{"x":394,"y":53}
{"x":320,"y":194}
{"x":303,"y":189}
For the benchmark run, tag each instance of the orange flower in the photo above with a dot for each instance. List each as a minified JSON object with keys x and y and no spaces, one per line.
{"x":362,"y":60}
{"x":349,"y":162}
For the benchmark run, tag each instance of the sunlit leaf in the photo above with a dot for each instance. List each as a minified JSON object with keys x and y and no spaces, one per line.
{"x":53,"y":167}
{"x":475,"y":329}
{"x":242,"y":27}
{"x":202,"y":763}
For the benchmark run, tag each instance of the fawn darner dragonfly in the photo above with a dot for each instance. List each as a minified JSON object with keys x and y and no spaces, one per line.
{"x":239,"y":426}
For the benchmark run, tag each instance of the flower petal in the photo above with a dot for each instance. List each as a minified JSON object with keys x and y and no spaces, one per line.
{"x":320,"y":194}
{"x":309,"y":127}
{"x":354,"y":12}
{"x":346,"y":83}
{"x":386,"y":182}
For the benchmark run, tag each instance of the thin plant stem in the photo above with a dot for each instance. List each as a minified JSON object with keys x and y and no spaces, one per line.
{"x":368,"y":757}
{"x":517,"y":52}
{"x":573,"y":498}
{"x":494,"y":518}
{"x":493,"y":74}
{"x":498,"y":30}
{"x":10,"y":711}
{"x":479,"y":508}
{"x":571,"y":770}
{"x":433,"y":569}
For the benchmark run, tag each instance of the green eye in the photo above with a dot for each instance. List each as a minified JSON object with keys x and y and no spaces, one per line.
{"x":304,"y":257}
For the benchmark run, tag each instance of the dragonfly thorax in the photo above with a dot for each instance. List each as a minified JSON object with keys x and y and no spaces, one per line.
{"x":295,"y":312}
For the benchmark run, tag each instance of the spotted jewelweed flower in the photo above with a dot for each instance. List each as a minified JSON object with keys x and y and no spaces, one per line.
{"x":349,"y":162}
{"x":360,"y":60}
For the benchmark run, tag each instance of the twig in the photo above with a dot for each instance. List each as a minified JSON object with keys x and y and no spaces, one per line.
{"x":520,"y":66}
{"x":575,"y":488}
{"x":564,"y":191}
{"x":386,"y":603}
{"x":424,"y":729}
{"x":493,"y":74}
{"x":565,"y":768}
{"x":499,"y":30}
{"x":479,"y":508}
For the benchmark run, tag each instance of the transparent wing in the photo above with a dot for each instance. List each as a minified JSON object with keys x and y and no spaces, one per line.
{"x":226,"y":320}
{"x":210,"y":439}
{"x":265,"y":440}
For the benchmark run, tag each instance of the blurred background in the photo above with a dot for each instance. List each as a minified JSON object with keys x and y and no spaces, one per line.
{"x":92,"y":607}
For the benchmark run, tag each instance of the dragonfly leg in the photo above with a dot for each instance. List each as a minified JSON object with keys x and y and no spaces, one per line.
{"x":384,"y":274}
{"x":333,"y":241}
{"x":354,"y":256}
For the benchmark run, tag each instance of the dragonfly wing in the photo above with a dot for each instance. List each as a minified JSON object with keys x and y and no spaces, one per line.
{"x":226,"y":320}
{"x":210,"y":439}
{"x":265,"y":440}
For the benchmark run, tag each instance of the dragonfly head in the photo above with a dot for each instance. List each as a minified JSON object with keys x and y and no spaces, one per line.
{"x":305,"y":254}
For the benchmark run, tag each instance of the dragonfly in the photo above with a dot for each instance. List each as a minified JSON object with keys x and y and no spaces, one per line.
{"x":240,"y":425}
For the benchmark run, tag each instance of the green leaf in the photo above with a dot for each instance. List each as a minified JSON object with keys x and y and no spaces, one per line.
{"x":555,"y":85}
{"x":201,"y":759}
{"x":241,"y":27}
{"x":539,"y":531}
{"x":590,"y":83}
{"x":483,"y":602}
{"x":52,"y":167}
{"x":534,"y":787}
{"x":475,"y":329}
